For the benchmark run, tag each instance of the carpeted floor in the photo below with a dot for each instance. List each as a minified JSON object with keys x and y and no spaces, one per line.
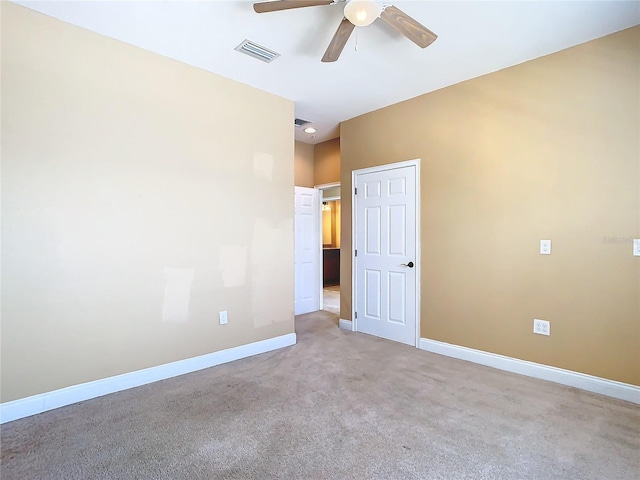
{"x":338,"y":405}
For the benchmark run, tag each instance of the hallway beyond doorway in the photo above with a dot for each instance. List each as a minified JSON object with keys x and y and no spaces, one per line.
{"x":331,"y":299}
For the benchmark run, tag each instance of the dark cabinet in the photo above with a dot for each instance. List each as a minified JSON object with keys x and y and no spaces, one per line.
{"x":331,"y":266}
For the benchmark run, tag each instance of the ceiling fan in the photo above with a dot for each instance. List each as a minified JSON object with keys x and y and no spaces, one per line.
{"x":357,"y":13}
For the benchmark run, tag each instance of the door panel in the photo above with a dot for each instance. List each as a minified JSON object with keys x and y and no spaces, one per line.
{"x":385,"y":227}
{"x":397,"y":235}
{"x":372,"y":294}
{"x":397,"y":295}
{"x":307,"y":251}
{"x":372,"y":233}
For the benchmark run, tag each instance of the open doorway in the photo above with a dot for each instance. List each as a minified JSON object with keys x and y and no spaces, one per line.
{"x":330,"y":215}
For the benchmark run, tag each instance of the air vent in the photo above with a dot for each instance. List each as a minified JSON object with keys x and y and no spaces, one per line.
{"x":257,"y":51}
{"x":300,"y":122}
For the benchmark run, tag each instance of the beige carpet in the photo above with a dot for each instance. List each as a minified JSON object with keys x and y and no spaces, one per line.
{"x":338,"y":405}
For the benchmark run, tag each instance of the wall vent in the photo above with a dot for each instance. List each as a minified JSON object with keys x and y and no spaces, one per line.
{"x":257,"y":51}
{"x":300,"y":122}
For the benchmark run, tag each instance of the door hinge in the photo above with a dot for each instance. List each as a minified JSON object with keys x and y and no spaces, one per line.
{"x":356,"y":253}
{"x":356,"y":314}
{"x":355,"y":191}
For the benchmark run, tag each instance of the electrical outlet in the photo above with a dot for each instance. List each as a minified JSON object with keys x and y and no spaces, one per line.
{"x":541,"y":327}
{"x":636,"y":247}
{"x":223,"y":317}
{"x":545,"y":247}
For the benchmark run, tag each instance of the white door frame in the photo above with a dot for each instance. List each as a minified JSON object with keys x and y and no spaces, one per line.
{"x":354,"y":199}
{"x":322,"y":188}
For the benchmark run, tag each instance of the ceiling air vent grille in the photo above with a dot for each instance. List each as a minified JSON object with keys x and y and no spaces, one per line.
{"x":257,"y":51}
{"x":300,"y":122}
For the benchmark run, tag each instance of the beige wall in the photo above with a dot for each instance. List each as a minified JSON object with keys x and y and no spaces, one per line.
{"x":335,"y":222}
{"x":549,"y":149}
{"x":326,"y":167}
{"x":129,"y":208}
{"x":327,"y":230}
{"x":303,"y":165}
{"x":331,"y":225}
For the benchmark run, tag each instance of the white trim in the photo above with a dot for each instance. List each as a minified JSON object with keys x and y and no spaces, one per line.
{"x":386,"y":166}
{"x":35,"y":404}
{"x":603,"y":386}
{"x":324,"y":186}
{"x":354,"y":286}
{"x":354,"y":276}
{"x":418,"y":245}
{"x":345,"y":324}
{"x":321,"y":189}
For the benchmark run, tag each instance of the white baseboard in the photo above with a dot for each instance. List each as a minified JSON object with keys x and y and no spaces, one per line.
{"x":25,"y":407}
{"x":345,"y":324}
{"x":610,"y":388}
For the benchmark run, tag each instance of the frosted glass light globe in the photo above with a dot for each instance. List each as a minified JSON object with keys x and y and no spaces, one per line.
{"x":362,"y":12}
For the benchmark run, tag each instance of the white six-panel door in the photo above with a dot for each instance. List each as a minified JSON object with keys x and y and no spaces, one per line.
{"x":307,"y":250}
{"x":385,"y":242}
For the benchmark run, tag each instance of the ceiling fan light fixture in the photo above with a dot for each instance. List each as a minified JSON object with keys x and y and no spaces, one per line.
{"x":362,"y":12}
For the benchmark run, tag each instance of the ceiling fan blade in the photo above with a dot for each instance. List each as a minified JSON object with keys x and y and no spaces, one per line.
{"x":407,"y":26}
{"x":338,"y":41}
{"x":274,"y":6}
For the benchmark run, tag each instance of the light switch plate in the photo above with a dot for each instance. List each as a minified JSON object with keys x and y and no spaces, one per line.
{"x":636,"y":247}
{"x":545,"y":247}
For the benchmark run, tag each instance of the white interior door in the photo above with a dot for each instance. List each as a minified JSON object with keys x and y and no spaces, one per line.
{"x":386,"y":270}
{"x":307,"y":250}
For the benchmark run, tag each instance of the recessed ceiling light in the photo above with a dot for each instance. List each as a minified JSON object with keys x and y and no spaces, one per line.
{"x":310,"y":130}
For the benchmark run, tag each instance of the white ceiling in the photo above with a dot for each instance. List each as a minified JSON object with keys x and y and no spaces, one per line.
{"x":474,"y":38}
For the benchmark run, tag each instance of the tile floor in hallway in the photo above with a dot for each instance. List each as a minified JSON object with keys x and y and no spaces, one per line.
{"x":331,"y":299}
